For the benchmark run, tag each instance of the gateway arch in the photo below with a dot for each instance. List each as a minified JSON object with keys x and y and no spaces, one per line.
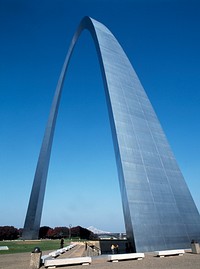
{"x":159,"y":212}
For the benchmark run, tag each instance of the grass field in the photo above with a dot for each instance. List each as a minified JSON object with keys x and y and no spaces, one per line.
{"x":28,"y":246}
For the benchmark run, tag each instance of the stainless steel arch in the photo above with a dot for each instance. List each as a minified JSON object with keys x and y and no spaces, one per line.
{"x":152,"y":187}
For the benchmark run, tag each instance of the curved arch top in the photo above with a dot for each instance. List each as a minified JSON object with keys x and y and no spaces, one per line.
{"x":152,"y":187}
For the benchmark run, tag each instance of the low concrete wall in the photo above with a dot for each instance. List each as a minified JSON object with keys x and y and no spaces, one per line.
{"x":105,"y":246}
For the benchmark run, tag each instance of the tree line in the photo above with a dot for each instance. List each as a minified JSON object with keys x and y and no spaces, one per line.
{"x":46,"y":232}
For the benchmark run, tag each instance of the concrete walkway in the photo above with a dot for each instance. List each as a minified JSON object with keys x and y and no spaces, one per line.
{"x":187,"y":261}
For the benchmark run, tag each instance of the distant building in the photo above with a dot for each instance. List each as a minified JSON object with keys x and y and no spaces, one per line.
{"x":111,"y":236}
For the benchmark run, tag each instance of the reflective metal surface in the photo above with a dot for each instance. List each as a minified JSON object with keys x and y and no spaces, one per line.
{"x":159,"y":211}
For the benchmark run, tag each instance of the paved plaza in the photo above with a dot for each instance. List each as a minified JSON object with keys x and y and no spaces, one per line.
{"x":187,"y":261}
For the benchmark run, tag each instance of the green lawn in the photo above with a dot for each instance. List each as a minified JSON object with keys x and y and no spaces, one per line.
{"x":28,"y":246}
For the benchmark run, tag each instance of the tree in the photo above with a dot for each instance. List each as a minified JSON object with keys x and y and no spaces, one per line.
{"x":81,"y":232}
{"x":8,"y":233}
{"x":43,"y":231}
{"x":58,"y":232}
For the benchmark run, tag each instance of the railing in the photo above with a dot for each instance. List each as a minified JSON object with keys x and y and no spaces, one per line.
{"x":92,"y":249}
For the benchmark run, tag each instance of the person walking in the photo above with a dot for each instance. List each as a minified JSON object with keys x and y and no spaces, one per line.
{"x":113,"y":249}
{"x":62,"y":243}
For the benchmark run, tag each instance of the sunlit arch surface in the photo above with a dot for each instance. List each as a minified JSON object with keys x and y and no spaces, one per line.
{"x":159,"y":211}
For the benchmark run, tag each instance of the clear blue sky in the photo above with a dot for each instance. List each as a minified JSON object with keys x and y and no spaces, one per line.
{"x":161,"y":39}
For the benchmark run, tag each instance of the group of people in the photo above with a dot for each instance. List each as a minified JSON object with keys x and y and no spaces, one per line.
{"x":115,"y":249}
